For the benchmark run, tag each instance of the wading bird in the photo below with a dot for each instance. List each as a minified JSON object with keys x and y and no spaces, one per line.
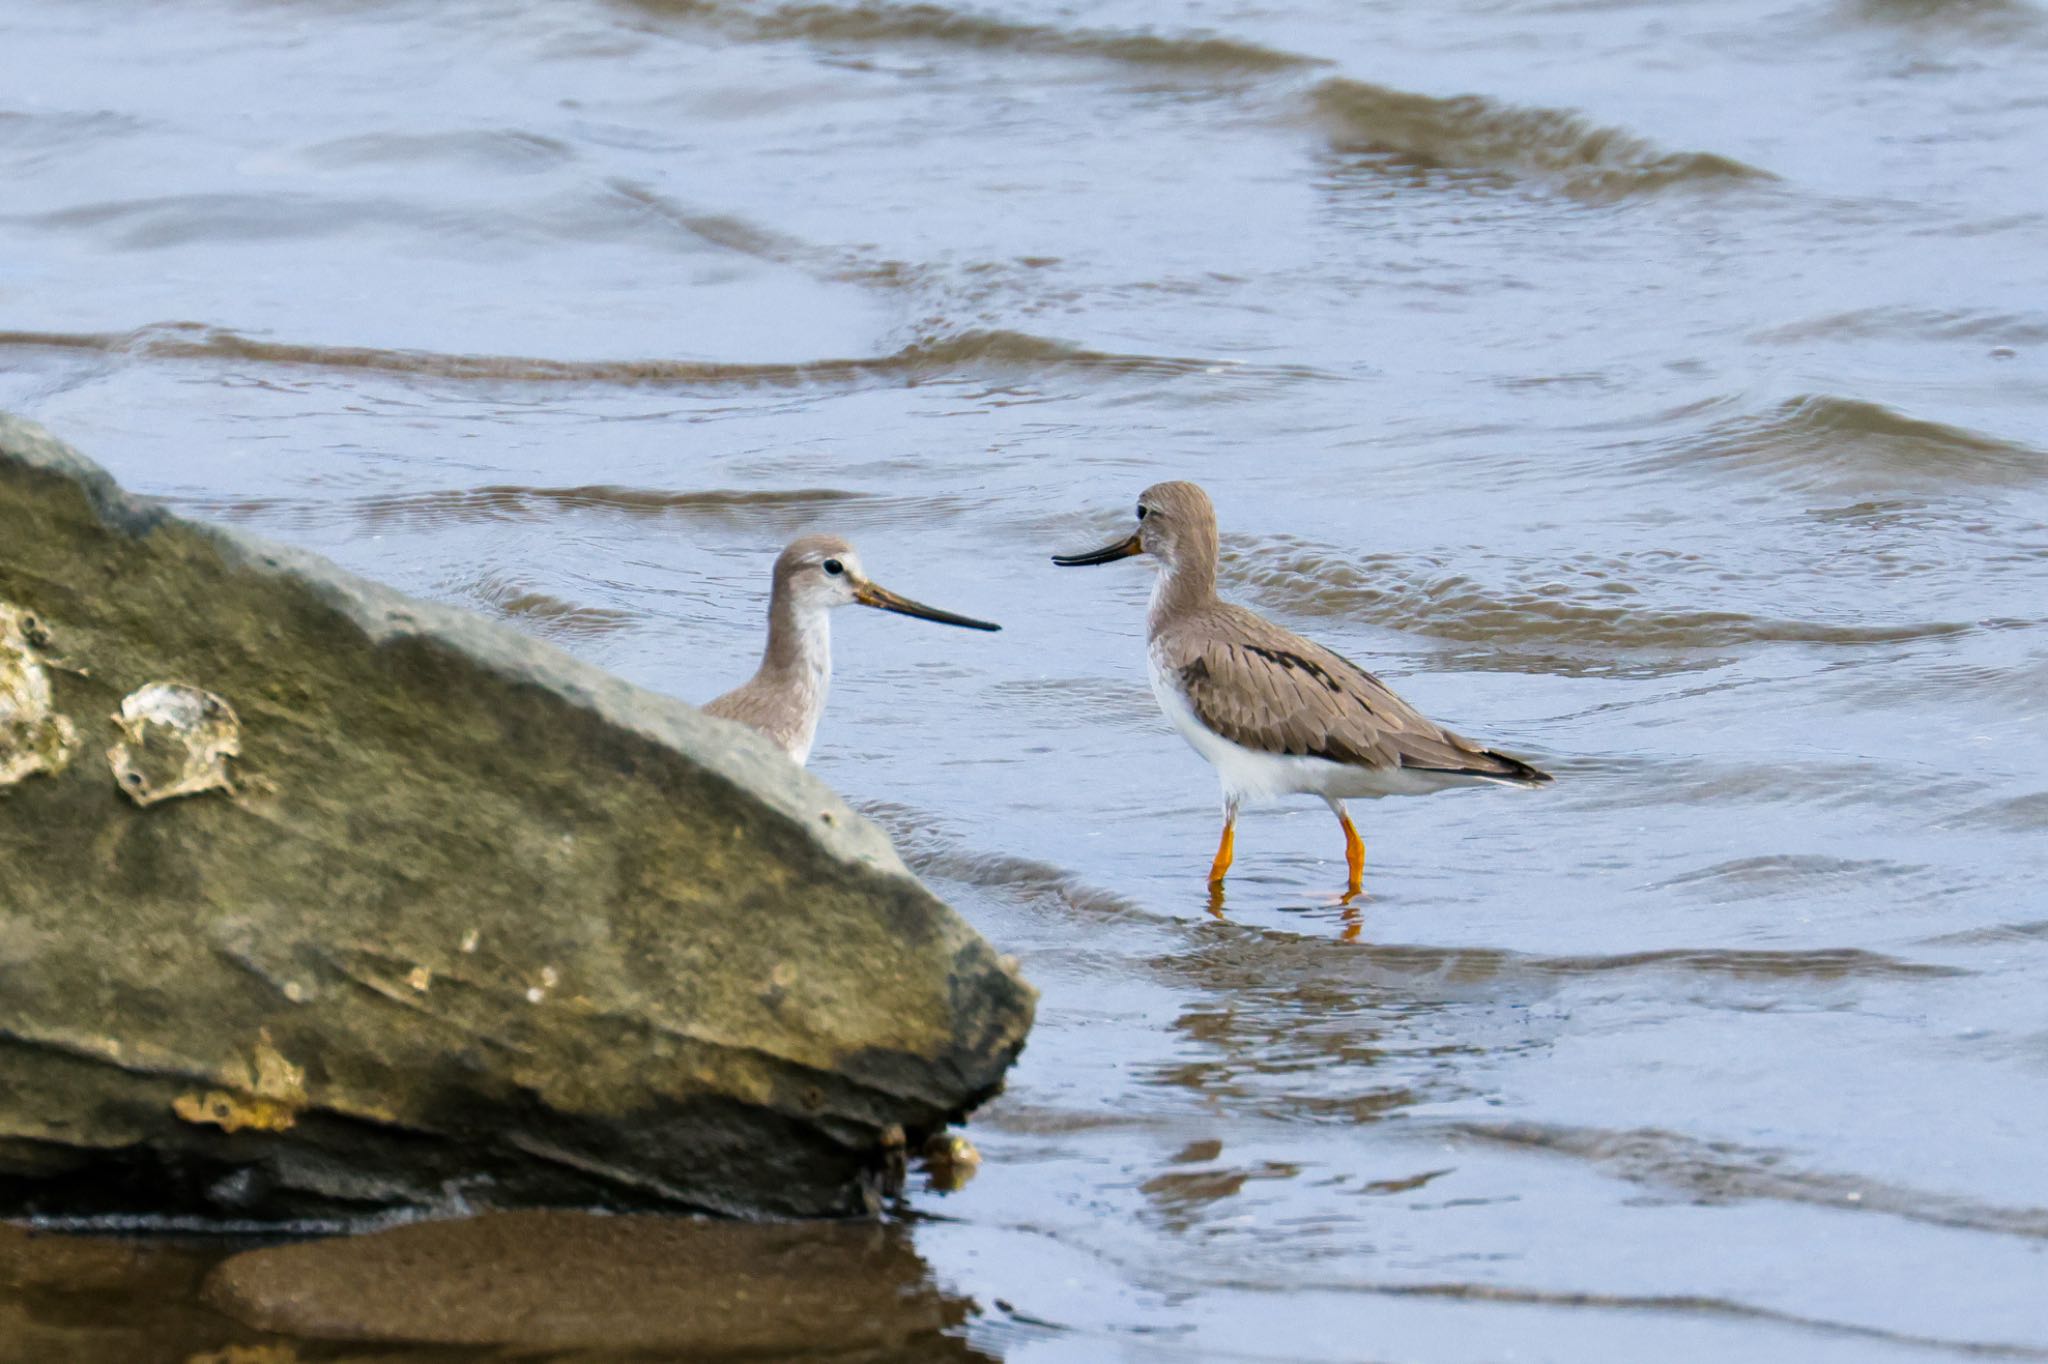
{"x":785,"y":697}
{"x":1275,"y":713}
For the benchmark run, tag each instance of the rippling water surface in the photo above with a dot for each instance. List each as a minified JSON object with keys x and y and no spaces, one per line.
{"x":1660,"y":391}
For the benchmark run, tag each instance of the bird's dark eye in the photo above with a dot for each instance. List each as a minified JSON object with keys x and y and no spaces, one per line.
{"x":1141,"y":512}
{"x":834,"y":567}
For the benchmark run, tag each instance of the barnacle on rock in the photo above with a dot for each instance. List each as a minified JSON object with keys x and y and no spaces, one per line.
{"x":33,"y":736}
{"x":175,"y":741}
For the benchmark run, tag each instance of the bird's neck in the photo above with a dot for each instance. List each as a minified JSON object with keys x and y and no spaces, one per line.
{"x":1185,"y":584}
{"x":799,"y":647}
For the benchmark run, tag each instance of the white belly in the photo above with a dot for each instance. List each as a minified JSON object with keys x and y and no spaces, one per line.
{"x":1248,"y":774}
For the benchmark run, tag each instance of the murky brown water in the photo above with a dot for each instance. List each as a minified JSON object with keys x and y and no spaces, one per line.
{"x":1656,"y":390}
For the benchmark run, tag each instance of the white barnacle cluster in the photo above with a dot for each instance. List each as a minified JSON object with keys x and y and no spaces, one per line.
{"x":175,"y":741}
{"x":171,"y":738}
{"x":34,"y":738}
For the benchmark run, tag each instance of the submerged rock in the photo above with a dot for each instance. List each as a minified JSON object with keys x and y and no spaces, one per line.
{"x":632,"y":1289}
{"x":96,"y":1300}
{"x":543,"y":1282}
{"x":469,"y":922}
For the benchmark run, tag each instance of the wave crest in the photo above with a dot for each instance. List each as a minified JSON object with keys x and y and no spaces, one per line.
{"x":1851,"y":446}
{"x":925,"y":359}
{"x":1596,"y":604}
{"x":940,"y":26}
{"x":1472,"y":133}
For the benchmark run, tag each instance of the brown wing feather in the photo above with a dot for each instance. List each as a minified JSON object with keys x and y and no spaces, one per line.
{"x":1271,"y":690}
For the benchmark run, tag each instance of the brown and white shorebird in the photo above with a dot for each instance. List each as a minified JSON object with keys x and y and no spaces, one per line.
{"x":1275,"y":713}
{"x":785,"y":697}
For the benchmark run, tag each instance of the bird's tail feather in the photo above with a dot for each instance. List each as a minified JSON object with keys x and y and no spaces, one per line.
{"x":1492,"y":765}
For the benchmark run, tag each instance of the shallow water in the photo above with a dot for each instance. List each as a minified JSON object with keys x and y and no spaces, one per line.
{"x":1656,"y":391}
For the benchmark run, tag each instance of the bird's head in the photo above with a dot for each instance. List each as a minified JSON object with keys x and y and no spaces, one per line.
{"x":1176,"y":524}
{"x":819,"y":572}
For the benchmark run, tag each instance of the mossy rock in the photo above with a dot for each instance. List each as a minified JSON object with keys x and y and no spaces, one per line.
{"x":454,"y":918}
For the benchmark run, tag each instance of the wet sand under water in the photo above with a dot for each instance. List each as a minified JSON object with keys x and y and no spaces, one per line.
{"x":1657,"y":392}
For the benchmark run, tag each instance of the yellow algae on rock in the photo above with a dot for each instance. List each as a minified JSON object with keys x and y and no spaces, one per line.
{"x":950,"y":1160}
{"x":33,"y":737}
{"x":232,"y":1113}
{"x":175,"y":741}
{"x":247,"y":1354}
{"x":268,"y":1094}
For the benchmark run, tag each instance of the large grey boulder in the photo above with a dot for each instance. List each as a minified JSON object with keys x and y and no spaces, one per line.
{"x":316,"y":899}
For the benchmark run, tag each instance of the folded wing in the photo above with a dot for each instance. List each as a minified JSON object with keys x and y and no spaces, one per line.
{"x":1270,"y":690}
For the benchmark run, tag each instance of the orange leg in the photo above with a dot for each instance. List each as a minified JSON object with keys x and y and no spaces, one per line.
{"x":1226,"y":851}
{"x":1354,"y":852}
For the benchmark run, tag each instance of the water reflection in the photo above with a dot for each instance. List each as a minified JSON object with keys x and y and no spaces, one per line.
{"x":568,"y":1284}
{"x":1301,"y":1030}
{"x":1182,"y":1197}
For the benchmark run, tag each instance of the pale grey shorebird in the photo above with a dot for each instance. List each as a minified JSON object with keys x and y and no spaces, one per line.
{"x":786,"y":695}
{"x":1274,"y":713}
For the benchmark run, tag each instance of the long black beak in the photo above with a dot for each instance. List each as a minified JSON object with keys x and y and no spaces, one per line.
{"x":1108,"y":554}
{"x":868,"y":594}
